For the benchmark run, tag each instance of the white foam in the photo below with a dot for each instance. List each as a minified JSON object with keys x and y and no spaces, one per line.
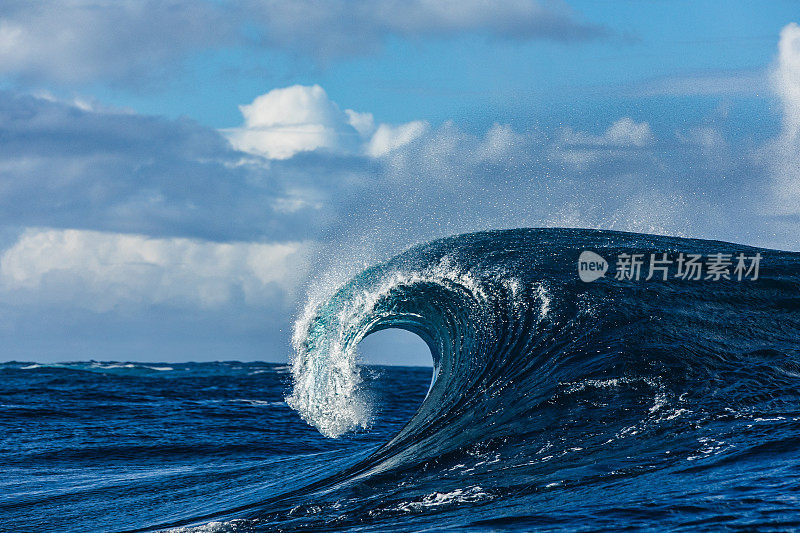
{"x":327,"y":379}
{"x":212,"y":527}
{"x":438,"y":499}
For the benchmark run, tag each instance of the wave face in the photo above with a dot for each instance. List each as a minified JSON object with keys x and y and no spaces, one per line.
{"x":636,"y":397}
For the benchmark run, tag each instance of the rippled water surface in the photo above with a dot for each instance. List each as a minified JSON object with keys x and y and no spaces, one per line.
{"x":556,"y":405}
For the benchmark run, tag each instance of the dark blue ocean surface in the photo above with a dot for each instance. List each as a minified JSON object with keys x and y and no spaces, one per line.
{"x":107,"y":446}
{"x":556,"y":405}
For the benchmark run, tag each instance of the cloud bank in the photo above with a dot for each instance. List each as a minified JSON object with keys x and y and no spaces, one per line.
{"x":108,"y":215}
{"x":127,"y":40}
{"x":102,"y":271}
{"x":68,"y":167}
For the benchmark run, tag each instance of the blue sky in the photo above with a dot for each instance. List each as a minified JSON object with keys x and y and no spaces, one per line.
{"x":650,"y":47}
{"x":176,"y":178}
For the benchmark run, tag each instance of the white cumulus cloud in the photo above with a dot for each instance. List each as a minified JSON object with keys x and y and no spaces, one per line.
{"x":284,"y":122}
{"x":291,"y":120}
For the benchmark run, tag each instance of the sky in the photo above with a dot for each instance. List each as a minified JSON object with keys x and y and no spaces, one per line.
{"x":178,"y":178}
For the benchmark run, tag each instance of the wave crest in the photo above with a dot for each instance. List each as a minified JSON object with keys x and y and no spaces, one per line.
{"x":441,"y":301}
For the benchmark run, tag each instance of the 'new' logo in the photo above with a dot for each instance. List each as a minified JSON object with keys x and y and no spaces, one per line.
{"x":591,"y":266}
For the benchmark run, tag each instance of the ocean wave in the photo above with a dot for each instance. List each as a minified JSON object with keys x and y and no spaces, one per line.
{"x":539,"y":375}
{"x":554,"y":404}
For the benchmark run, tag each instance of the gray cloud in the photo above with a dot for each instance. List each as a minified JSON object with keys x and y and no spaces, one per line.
{"x":62,"y":166}
{"x":131,"y":41}
{"x":338,"y":27}
{"x":78,"y":41}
